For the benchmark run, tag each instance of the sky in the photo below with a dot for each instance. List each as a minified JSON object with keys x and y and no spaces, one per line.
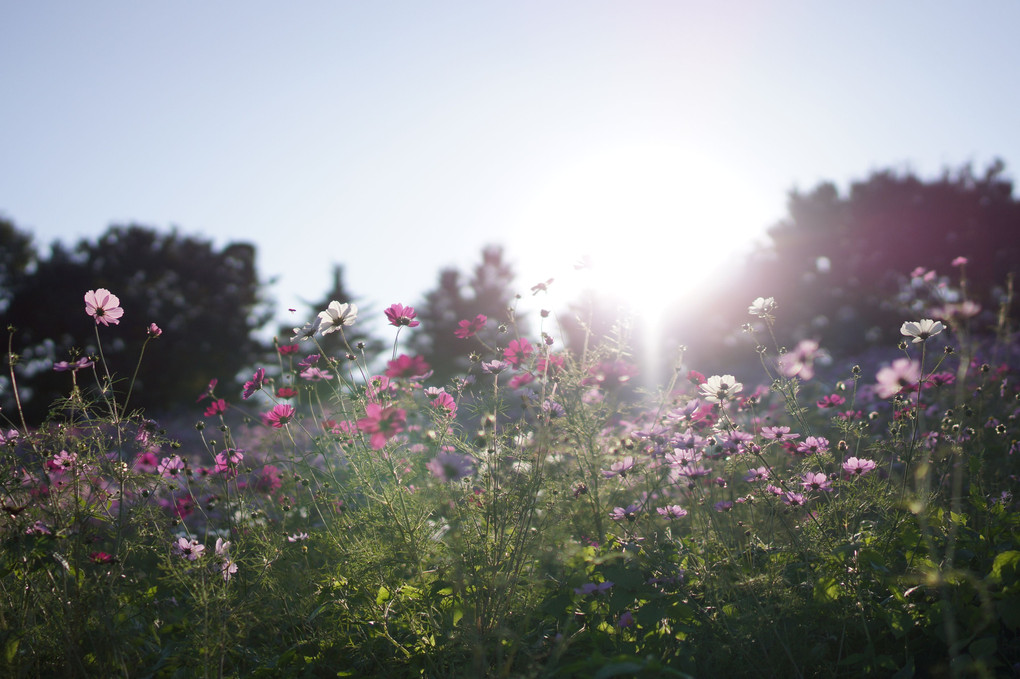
{"x":659,"y":139}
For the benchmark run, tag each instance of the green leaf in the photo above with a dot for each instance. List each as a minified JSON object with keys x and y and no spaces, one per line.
{"x":1006,"y":564}
{"x":382,"y":596}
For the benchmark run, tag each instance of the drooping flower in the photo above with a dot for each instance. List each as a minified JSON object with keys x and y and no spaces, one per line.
{"x":762,"y":307}
{"x":399,"y":315}
{"x":451,"y":466}
{"x":469,"y":328}
{"x":254,"y":384}
{"x":629,"y":512}
{"x":858,"y":467}
{"x":336,"y":316}
{"x":720,"y":388}
{"x":103,"y":306}
{"x":921,"y":330}
{"x":154,"y":330}
{"x":306,"y":332}
{"x":279,"y":416}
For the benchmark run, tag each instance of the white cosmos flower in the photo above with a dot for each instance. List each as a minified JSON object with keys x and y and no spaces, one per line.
{"x":337,"y":315}
{"x":719,"y":388}
{"x":921,"y":330}
{"x":762,"y":307}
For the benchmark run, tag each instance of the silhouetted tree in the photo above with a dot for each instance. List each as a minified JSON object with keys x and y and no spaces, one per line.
{"x":17,"y":254}
{"x":836,"y":262}
{"x":488,"y":292}
{"x":206,"y":301}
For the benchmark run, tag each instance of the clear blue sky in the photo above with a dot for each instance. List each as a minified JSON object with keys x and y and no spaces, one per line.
{"x":397,"y":138}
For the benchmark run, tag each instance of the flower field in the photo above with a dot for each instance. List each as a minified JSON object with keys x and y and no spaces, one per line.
{"x":545,"y":514}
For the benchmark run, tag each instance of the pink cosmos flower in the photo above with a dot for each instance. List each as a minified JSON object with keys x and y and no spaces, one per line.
{"x":469,"y":328}
{"x":170,"y":466}
{"x":399,"y":315}
{"x":518,"y":351}
{"x":904,"y":373}
{"x":154,"y":330}
{"x":445,"y":404}
{"x":286,"y":392}
{"x":858,"y":467}
{"x":227,"y":461}
{"x":191,"y":550}
{"x":100,"y":557}
{"x":594,"y":588}
{"x":382,"y":423}
{"x":216,"y":407}
{"x":959,"y":261}
{"x":830,"y":401}
{"x":801,"y":361}
{"x":672,"y":511}
{"x":279,"y":416}
{"x":287,"y":349}
{"x":629,"y":512}
{"x":270,"y":479}
{"x":315,"y":374}
{"x":813,"y":445}
{"x":63,"y":366}
{"x":104,"y":306}
{"x":405,"y":366}
{"x":620,"y":468}
{"x":816,"y":481}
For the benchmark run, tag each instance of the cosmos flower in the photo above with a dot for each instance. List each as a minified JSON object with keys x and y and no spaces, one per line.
{"x":921,"y":330}
{"x":720,"y":388}
{"x":104,"y":306}
{"x":336,"y":316}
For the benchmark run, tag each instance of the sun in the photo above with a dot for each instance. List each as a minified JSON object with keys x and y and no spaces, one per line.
{"x":643,"y":226}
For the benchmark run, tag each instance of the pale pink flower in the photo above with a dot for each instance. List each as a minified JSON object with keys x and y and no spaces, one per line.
{"x":902,"y":374}
{"x":104,"y":306}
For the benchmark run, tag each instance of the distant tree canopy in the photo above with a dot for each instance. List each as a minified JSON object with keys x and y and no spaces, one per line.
{"x":206,"y":301}
{"x":488,"y":292}
{"x":836,"y":262}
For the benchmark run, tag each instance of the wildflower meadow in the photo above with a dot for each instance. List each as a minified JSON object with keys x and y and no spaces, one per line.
{"x":547,"y":513}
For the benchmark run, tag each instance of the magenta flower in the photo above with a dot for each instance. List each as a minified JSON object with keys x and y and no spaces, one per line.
{"x":286,"y":392}
{"x":100,"y":557}
{"x":63,"y":366}
{"x":405,"y":366}
{"x":830,"y":401}
{"x":216,"y":407}
{"x":154,"y":330}
{"x":518,"y":351}
{"x":759,"y":474}
{"x":270,"y":479}
{"x":315,"y":374}
{"x":469,"y":328}
{"x":858,"y":467}
{"x":400,"y":315}
{"x":793,"y":499}
{"x":959,"y":261}
{"x":778,"y":433}
{"x":279,"y":416}
{"x":254,"y":384}
{"x":445,"y":404}
{"x":227,"y":461}
{"x":382,"y":424}
{"x":629,"y":512}
{"x":104,"y":306}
